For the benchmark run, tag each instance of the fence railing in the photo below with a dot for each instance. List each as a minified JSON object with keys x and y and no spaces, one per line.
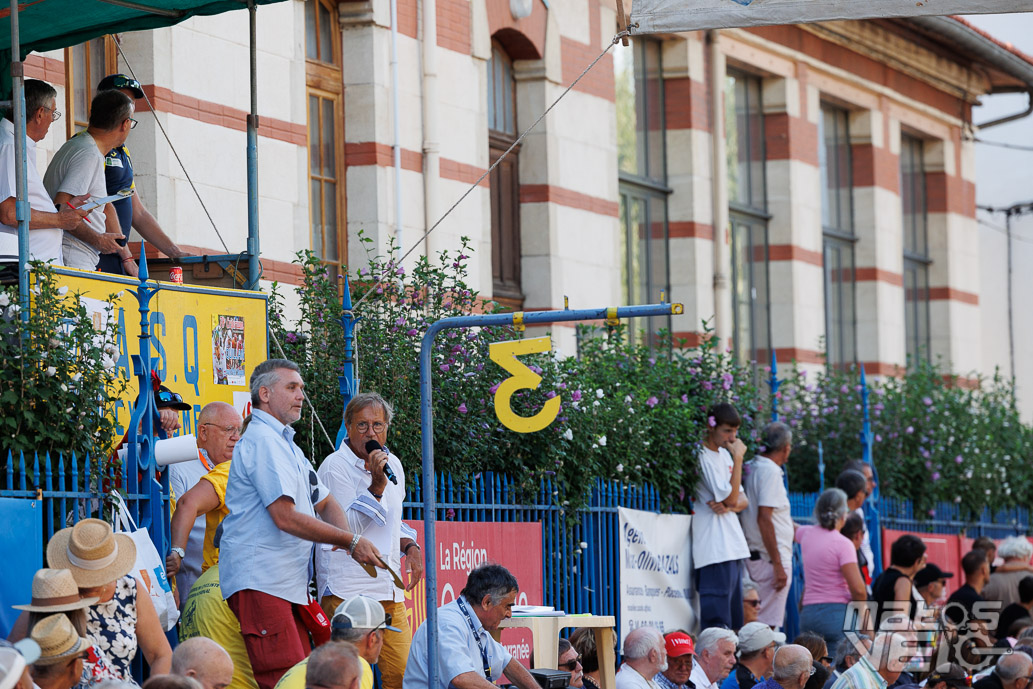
{"x":580,"y":563}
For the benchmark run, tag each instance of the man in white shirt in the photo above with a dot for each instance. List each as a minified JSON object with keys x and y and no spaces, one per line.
{"x":46,"y":222}
{"x":768,"y":524}
{"x":718,"y":544}
{"x":645,"y":655}
{"x":78,"y":168}
{"x":715,"y":657}
{"x":358,"y":479}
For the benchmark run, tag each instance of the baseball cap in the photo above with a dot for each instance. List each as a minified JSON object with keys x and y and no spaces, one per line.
{"x":929,"y":574}
{"x":14,"y":658}
{"x":952,"y":674}
{"x":166,"y":399}
{"x":757,"y":635}
{"x":361,"y":612}
{"x":120,"y":81}
{"x":678,"y":644}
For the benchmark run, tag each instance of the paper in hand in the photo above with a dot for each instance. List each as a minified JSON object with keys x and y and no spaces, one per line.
{"x":95,"y":202}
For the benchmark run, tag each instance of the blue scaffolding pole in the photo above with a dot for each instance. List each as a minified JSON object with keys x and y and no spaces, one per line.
{"x":518,"y":319}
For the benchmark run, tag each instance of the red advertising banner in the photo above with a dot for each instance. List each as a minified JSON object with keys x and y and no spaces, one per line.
{"x":462,"y":546}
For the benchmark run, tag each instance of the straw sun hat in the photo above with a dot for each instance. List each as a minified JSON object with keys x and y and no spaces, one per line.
{"x":94,"y":554}
{"x":58,"y":641}
{"x":55,"y":590}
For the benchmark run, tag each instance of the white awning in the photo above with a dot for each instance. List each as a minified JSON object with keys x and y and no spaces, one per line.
{"x":671,"y":16}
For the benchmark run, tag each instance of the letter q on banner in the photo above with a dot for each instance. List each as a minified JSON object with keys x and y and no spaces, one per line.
{"x":521,"y":378}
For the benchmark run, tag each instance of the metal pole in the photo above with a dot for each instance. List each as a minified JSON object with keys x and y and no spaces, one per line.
{"x":349,"y":382}
{"x":427,"y":429}
{"x":1011,"y":314}
{"x":253,"y":271}
{"x":773,"y":383}
{"x":871,"y":511}
{"x":21,"y":154}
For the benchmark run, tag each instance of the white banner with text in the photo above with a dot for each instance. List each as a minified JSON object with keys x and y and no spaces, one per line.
{"x":655,"y":571}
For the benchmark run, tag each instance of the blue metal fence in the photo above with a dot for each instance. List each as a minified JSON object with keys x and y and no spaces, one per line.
{"x":580,"y":564}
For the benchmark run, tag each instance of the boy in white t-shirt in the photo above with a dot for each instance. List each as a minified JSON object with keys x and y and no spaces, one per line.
{"x":718,"y":544}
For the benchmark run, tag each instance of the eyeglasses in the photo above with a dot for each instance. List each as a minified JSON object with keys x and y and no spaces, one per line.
{"x":134,"y":123}
{"x":827,"y":659}
{"x":753,"y":603}
{"x":812,"y":670}
{"x":378,"y":426}
{"x":571,"y":665}
{"x":55,"y":114}
{"x":228,"y":430}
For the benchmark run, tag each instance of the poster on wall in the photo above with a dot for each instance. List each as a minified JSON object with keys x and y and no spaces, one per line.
{"x":461,"y":547}
{"x":655,"y":571}
{"x":228,"y":350}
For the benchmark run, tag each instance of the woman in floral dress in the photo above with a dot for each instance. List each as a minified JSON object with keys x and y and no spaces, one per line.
{"x":121,"y":622}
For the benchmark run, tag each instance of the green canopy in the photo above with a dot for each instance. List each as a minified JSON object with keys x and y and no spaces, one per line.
{"x":50,"y":24}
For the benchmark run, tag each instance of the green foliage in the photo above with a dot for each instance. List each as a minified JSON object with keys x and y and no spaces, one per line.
{"x":934,"y":439}
{"x":627,"y":411}
{"x":630,"y":411}
{"x":59,"y":383}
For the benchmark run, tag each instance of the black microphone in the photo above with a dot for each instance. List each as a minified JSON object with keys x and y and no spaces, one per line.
{"x":374,"y":445}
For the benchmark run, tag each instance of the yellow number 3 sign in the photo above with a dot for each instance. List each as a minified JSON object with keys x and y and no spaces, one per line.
{"x":521,"y":378}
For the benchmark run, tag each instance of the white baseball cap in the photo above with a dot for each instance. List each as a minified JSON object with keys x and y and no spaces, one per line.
{"x":757,"y":635}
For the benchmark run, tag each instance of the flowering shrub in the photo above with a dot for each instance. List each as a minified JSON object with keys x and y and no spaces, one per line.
{"x":632,"y":412}
{"x":626,"y":412}
{"x":58,"y":386}
{"x":932,"y":440}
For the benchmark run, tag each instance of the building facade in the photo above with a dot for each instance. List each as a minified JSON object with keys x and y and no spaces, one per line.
{"x":804,"y":189}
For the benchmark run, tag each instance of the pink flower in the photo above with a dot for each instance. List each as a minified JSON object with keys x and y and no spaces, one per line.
{"x":652,"y":402}
{"x":462,"y":408}
{"x":958,"y":459}
{"x":493,"y":388}
{"x":936,"y":476}
{"x":576,"y":396}
{"x":685,"y":399}
{"x":711,"y":421}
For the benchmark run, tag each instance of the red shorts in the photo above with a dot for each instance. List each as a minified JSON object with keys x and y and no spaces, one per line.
{"x":274,"y":634}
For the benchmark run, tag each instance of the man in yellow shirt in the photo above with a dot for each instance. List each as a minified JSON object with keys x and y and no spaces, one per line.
{"x":206,"y":613}
{"x":218,"y":430}
{"x":359,"y":621}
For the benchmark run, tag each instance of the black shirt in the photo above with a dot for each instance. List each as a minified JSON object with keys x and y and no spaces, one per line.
{"x":1008,"y":617}
{"x":966,"y":597}
{"x":991,"y":681}
{"x":883,"y":592}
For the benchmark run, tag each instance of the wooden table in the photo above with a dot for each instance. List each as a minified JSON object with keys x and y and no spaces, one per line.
{"x":545,"y":632}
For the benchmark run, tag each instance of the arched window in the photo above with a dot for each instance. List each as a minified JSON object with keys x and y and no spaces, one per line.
{"x":504,"y":181}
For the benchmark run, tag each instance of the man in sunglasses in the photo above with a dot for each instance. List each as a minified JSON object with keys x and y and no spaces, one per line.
{"x":361,"y":622}
{"x":118,"y":175}
{"x":274,"y":496}
{"x":78,"y":168}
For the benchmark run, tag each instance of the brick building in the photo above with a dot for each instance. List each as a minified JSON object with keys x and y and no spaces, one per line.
{"x":832,"y":163}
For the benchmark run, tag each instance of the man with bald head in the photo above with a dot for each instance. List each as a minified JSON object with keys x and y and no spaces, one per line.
{"x":1011,"y":672}
{"x":218,"y":430}
{"x":205,"y":661}
{"x":645,"y":655}
{"x":791,"y":668}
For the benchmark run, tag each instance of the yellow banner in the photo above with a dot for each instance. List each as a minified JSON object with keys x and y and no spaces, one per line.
{"x":204,"y":341}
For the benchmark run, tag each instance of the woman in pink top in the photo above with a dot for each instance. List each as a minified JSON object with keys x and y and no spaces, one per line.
{"x":831,"y":576}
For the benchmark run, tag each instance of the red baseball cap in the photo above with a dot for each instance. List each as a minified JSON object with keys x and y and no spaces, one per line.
{"x":678,"y":644}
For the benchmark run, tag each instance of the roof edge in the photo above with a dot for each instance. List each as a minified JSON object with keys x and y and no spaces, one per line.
{"x":1003,"y":56}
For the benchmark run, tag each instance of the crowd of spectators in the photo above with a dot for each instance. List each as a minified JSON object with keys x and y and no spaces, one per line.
{"x":254,"y":526}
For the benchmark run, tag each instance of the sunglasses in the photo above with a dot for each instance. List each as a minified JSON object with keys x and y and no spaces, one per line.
{"x":168,"y":396}
{"x":571,"y":665}
{"x":827,"y":659}
{"x":342,"y":621}
{"x":121,"y":82}
{"x":752,"y":603}
{"x":313,"y":481}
